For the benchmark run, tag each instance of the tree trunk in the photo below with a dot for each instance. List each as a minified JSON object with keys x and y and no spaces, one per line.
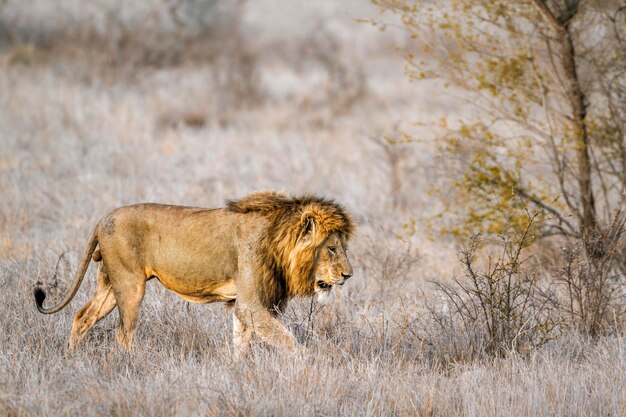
{"x":579,"y":113}
{"x":576,"y":96}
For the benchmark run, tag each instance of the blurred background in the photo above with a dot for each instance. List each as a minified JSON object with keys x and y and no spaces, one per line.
{"x":193,"y":102}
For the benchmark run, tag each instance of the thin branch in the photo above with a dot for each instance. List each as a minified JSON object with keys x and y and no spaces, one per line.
{"x":524,"y":194}
{"x":548,"y":16}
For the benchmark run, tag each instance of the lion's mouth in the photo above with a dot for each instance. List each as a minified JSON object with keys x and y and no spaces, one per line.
{"x":323,"y":285}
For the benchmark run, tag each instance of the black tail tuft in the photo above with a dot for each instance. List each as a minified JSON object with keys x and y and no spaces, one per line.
{"x":40,"y":295}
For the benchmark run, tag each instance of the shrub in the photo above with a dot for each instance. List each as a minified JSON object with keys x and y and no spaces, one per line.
{"x":592,"y":287}
{"x":502,"y":306}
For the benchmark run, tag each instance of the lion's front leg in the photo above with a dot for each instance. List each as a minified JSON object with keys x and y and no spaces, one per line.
{"x":259,"y":320}
{"x":253,"y":314}
{"x":242,"y":335}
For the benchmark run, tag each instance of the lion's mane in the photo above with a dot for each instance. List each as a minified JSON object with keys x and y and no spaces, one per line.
{"x":286,"y":261}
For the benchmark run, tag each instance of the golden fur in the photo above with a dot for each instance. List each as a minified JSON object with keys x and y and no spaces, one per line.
{"x":256,"y":253}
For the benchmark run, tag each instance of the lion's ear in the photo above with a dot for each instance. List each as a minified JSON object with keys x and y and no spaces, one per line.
{"x":309,"y":224}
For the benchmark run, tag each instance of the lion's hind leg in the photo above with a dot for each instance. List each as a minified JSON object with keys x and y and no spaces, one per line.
{"x":129,"y":289}
{"x":101,"y":304}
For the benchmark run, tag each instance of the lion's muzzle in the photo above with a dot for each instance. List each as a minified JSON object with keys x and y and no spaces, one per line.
{"x":324,"y":285}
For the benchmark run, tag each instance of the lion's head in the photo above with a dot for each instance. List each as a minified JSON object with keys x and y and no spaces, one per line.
{"x":303,"y":250}
{"x":332,"y":266}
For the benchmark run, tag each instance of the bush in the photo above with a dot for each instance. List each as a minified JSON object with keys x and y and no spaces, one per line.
{"x":592,"y":287}
{"x":503,"y":306}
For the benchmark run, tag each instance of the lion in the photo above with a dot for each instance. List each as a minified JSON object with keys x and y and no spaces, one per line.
{"x":255,"y":254}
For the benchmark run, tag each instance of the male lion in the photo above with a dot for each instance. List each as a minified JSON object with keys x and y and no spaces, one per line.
{"x":257,"y":253}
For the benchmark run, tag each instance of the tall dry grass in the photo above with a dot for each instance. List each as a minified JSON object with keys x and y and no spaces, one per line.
{"x":361,"y":359}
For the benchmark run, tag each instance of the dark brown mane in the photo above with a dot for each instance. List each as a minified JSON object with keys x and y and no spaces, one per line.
{"x":286,"y":266}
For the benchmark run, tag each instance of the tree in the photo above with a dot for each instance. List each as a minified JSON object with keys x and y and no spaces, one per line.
{"x":545,"y":87}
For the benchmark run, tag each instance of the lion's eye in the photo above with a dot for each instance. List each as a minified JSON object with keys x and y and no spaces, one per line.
{"x":332,"y":250}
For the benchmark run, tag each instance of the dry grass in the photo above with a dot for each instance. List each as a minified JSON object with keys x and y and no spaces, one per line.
{"x":360,"y":361}
{"x":82,"y":132}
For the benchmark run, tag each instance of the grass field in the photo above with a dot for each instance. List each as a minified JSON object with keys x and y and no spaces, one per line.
{"x":98,"y":111}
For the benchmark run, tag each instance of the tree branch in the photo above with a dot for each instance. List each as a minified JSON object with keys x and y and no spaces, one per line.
{"x":547,"y":15}
{"x":524,"y":194}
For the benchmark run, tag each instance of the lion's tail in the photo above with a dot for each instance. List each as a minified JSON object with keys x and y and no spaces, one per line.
{"x":40,"y":294}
